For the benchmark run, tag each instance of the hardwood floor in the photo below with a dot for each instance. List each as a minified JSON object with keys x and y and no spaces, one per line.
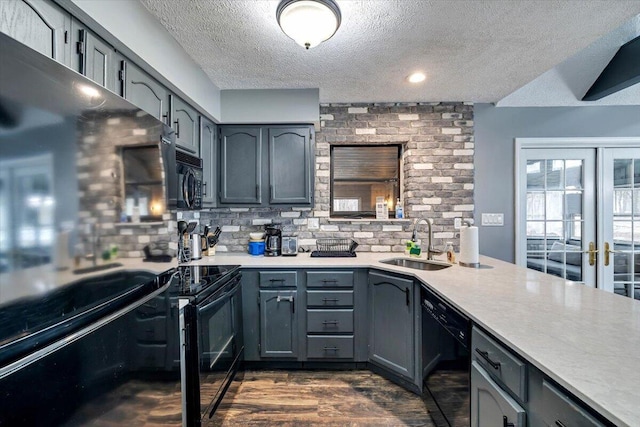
{"x":319,"y":398}
{"x":266,"y":398}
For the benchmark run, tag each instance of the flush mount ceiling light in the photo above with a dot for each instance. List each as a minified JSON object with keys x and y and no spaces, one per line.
{"x":416,"y":78}
{"x":309,"y":22}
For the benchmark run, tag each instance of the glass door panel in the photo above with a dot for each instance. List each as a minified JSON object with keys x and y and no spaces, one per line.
{"x":558,"y":227}
{"x":621,"y":221}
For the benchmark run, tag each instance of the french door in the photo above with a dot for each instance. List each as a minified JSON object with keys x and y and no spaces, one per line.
{"x":578,"y":213}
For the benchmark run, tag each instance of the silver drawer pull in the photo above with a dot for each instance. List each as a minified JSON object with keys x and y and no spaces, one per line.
{"x":331,"y":349}
{"x":327,"y":300}
{"x":560,"y":423}
{"x":329,"y":281}
{"x":330,"y":322}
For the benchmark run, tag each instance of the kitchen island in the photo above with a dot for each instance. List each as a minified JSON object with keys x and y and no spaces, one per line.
{"x":585,"y":339}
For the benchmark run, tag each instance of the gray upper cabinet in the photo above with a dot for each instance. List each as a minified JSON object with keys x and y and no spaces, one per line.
{"x":93,"y":57}
{"x":41,"y":25}
{"x":391,"y":323}
{"x":209,"y":154}
{"x":278,"y":325}
{"x":184,"y":120}
{"x":240,"y":165}
{"x":490,"y":405}
{"x":281,"y":175}
{"x":144,"y":91}
{"x":290,"y":165}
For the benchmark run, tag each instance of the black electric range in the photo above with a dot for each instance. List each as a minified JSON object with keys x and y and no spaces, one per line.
{"x":200,"y":281}
{"x":212,"y":346}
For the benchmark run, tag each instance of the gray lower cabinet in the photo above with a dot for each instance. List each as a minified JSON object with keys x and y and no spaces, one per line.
{"x":41,"y":25}
{"x":144,"y":91}
{"x":558,"y":409}
{"x":209,"y":155}
{"x":278,"y":172}
{"x":278,"y":325}
{"x":184,"y":120}
{"x":94,"y":58}
{"x":392,"y":326}
{"x":491,"y":406}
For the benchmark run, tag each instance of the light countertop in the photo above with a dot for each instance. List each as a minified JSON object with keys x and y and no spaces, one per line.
{"x":587,"y":340}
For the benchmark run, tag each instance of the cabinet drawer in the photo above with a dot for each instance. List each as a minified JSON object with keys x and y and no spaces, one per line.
{"x":149,"y":330}
{"x":329,"y":298}
{"x":154,"y":307}
{"x":500,"y":363}
{"x":330,"y":279}
{"x":558,"y":409}
{"x":332,"y":321}
{"x":278,"y":279}
{"x":330,"y":347}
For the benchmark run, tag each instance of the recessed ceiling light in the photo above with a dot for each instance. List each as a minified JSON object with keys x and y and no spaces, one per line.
{"x":416,"y":78}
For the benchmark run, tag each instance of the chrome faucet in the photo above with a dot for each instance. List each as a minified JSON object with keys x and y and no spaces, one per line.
{"x":431,"y":250}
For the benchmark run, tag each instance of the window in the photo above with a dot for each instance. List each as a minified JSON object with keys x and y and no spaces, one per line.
{"x":360,"y":174}
{"x":143,"y":182}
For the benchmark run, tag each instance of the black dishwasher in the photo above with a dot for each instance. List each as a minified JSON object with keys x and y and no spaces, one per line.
{"x":446,"y":335}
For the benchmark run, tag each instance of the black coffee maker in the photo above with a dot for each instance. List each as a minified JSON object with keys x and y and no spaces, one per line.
{"x":273,"y":240}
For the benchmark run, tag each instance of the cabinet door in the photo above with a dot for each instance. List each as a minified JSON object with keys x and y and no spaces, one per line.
{"x":144,"y":91}
{"x":240,"y":165}
{"x":290,"y":166}
{"x":184,"y":120}
{"x":278,"y":326}
{"x":391,"y":335}
{"x":93,"y":57}
{"x":41,"y":25}
{"x":490,"y":405}
{"x":209,"y":154}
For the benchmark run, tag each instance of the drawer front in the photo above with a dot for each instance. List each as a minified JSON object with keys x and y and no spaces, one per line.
{"x":330,"y":279}
{"x":151,"y":330}
{"x":500,"y":363}
{"x":330,"y":347}
{"x":278,"y":279}
{"x":558,"y":409}
{"x":330,"y":321}
{"x":329,"y":298}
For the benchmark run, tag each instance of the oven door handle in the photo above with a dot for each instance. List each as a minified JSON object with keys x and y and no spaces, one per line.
{"x":235,"y":283}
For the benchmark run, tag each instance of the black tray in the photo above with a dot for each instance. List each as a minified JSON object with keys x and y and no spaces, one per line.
{"x":333,"y":254}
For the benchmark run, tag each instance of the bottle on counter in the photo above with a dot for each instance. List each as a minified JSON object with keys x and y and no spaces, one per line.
{"x":399,"y":209}
{"x":451,"y":256}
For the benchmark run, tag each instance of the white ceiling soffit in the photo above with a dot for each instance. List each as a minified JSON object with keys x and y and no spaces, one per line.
{"x":471,"y":50}
{"x":566,"y":84}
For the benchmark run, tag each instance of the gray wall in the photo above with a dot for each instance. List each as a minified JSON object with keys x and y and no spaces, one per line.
{"x":495,"y":133}
{"x":270,"y":106}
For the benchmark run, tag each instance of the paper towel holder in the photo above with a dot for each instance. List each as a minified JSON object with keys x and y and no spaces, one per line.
{"x":468,"y":223}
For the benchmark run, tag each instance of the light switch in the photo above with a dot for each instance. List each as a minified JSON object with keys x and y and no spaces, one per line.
{"x":457,"y":223}
{"x":493,"y":219}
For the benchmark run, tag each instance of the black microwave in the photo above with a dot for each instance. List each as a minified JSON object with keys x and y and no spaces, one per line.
{"x":189,"y":173}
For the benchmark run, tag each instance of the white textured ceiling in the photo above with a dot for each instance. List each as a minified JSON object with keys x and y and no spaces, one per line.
{"x":471,"y":50}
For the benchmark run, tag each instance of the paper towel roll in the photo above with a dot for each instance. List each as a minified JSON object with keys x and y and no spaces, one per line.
{"x":469,"y":247}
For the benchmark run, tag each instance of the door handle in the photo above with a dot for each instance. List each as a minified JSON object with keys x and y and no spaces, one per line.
{"x":592,"y":253}
{"x":607,"y":251}
{"x":177,"y":123}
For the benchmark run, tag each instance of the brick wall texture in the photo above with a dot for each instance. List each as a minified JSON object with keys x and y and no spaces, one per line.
{"x":437,"y":177}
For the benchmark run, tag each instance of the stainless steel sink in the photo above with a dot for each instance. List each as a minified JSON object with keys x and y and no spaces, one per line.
{"x":418,"y":264}
{"x":97,"y":268}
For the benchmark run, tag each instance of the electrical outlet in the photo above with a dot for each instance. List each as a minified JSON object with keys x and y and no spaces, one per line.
{"x":457,"y":223}
{"x":493,"y":219}
{"x":313,"y":224}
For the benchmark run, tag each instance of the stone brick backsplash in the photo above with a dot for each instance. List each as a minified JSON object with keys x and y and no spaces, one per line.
{"x":437,"y":177}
